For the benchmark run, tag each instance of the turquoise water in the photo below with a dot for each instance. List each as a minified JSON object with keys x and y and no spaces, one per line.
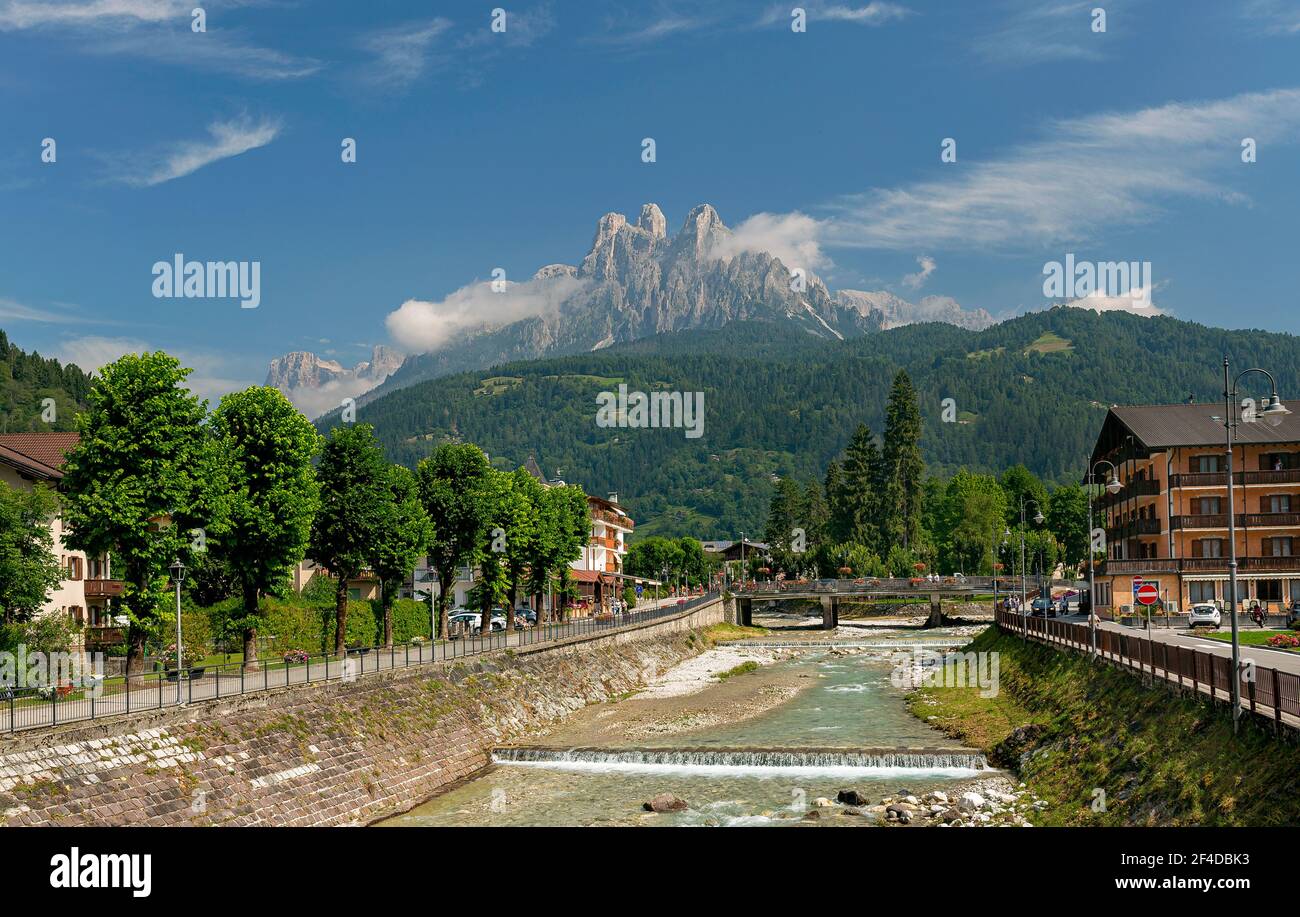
{"x":849,"y":704}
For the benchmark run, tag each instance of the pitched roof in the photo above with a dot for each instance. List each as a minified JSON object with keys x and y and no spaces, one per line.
{"x":1161,"y":426}
{"x":47,"y":448}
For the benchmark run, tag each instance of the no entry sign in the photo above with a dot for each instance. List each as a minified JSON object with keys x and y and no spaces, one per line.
{"x":1146,"y":593}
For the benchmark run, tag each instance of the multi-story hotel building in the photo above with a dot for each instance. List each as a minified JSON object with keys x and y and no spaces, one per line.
{"x":1169,"y":523}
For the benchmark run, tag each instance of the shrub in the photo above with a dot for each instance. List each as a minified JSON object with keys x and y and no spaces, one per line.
{"x":1288,"y":641}
{"x":410,"y":619}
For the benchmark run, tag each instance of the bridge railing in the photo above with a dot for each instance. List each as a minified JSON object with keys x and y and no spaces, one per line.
{"x":868,"y":585}
{"x":1266,"y":691}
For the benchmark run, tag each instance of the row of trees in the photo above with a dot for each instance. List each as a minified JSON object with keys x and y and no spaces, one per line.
{"x":245,"y":494}
{"x":877,"y":513}
{"x":676,"y":558}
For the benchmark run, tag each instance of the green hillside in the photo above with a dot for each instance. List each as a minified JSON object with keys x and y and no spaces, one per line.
{"x":1031,"y":390}
{"x":26,"y":380}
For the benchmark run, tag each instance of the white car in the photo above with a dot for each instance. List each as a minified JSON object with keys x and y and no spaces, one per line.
{"x":472,"y":621}
{"x":1203,"y":613}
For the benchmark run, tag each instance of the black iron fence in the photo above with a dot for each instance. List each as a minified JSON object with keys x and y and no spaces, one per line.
{"x":92,"y":697}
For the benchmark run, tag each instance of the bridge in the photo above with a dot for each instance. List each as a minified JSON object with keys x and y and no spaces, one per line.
{"x":832,"y":593}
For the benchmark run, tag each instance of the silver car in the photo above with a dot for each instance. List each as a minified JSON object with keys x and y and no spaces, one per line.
{"x":1203,"y":613}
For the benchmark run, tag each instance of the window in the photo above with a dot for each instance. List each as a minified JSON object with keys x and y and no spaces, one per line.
{"x":1278,"y":461}
{"x":1268,"y":590}
{"x":1277,"y":547}
{"x":1200,"y":592}
{"x":1207,"y":464}
{"x":1277,"y":503}
{"x":1208,"y":547}
{"x":354,"y":595}
{"x":1207,"y":506}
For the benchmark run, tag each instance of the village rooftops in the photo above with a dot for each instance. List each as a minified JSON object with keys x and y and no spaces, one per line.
{"x":1158,"y":427}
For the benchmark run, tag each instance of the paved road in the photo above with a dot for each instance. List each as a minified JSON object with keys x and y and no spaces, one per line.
{"x":151,"y":692}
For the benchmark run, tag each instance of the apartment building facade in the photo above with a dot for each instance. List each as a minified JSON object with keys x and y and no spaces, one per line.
{"x":1169,"y":524}
{"x":88,"y":591}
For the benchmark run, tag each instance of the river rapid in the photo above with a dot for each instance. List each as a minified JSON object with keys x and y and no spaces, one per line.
{"x":841,"y":723}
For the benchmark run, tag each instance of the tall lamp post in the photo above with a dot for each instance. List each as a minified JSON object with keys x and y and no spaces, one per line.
{"x":996,"y":563}
{"x":1113,"y":486}
{"x":1273,"y":413}
{"x":1024,"y":593}
{"x":178,"y":573}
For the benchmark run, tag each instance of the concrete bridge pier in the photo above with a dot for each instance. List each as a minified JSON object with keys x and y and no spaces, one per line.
{"x":830,"y":613}
{"x":936,"y":611}
{"x":744,"y":611}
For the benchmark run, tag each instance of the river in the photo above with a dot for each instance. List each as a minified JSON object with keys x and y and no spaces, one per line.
{"x":837,"y":730}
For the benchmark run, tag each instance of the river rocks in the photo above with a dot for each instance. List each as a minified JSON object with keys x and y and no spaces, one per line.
{"x":665,"y":802}
{"x":970,"y":802}
{"x":937,"y":796}
{"x":822,"y":802}
{"x":898,"y":813}
{"x":851,"y":798}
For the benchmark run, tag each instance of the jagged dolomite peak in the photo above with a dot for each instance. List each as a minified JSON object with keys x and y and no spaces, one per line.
{"x":652,"y":221}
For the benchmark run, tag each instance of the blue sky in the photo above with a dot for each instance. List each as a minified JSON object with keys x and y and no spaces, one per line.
{"x":478,"y":150}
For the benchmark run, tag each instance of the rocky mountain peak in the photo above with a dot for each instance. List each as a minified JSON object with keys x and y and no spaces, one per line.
{"x":652,"y":221}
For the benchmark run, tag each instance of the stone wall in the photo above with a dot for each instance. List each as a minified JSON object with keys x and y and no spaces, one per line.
{"x":341,"y":753}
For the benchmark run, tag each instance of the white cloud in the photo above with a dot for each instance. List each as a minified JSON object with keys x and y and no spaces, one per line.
{"x":1046,"y":31}
{"x":1090,"y":173}
{"x":28,"y":14}
{"x":419,"y":326}
{"x":1137,"y":301}
{"x":227,"y":139}
{"x":209,"y":379}
{"x":791,"y":237}
{"x":1273,"y":17}
{"x":915,"y":281}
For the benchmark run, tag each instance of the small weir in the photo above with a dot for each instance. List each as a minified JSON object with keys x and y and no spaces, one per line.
{"x":951,"y":762}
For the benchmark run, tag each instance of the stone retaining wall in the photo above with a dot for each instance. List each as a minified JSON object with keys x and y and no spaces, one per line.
{"x":339,"y":753}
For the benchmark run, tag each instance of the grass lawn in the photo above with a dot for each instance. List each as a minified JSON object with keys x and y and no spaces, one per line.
{"x":723,"y":633}
{"x":744,"y":668}
{"x":1252,"y":638}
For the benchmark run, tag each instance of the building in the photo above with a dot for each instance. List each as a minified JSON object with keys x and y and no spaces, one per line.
{"x":88,"y":591}
{"x":599,"y":572}
{"x":1169,"y":523}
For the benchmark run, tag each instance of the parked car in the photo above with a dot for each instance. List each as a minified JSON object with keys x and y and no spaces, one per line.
{"x":526,"y":614}
{"x":1203,"y":613}
{"x":471,"y":621}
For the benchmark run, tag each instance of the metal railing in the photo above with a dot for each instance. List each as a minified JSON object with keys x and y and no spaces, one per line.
{"x":1266,"y":691}
{"x":39,"y":708}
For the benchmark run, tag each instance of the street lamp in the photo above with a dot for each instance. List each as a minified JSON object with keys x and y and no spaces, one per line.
{"x":1273,"y":414}
{"x":1113,"y":486}
{"x":178,"y":573}
{"x":1024,"y":593}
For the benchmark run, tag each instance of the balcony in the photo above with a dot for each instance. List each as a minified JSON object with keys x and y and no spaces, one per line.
{"x":104,"y":588}
{"x":1133,"y":489}
{"x":1244,"y":520}
{"x":1248,"y":478}
{"x":1133,"y":529}
{"x":1198,"y":565}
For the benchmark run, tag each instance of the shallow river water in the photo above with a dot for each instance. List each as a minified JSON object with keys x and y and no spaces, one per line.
{"x":850,"y":705}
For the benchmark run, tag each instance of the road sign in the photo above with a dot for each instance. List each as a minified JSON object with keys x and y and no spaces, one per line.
{"x":1146,"y":593}
{"x":638,"y":588}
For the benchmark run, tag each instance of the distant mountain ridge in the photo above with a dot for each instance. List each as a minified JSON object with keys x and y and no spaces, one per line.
{"x":316,"y":384}
{"x":636,"y":281}
{"x":1032,"y":389}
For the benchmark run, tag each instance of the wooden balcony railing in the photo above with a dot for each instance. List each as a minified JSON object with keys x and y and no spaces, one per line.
{"x":1218,"y":478}
{"x":104,"y":589}
{"x":1244,"y":520}
{"x":1198,"y":565}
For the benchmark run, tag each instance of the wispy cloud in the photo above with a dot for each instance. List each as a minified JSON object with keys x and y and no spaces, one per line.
{"x":1274,"y":17}
{"x":225,"y":139}
{"x":1090,"y":173}
{"x":19,"y":312}
{"x":875,"y":13}
{"x":157,"y":30}
{"x":1042,"y":31}
{"x":403,"y":54}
